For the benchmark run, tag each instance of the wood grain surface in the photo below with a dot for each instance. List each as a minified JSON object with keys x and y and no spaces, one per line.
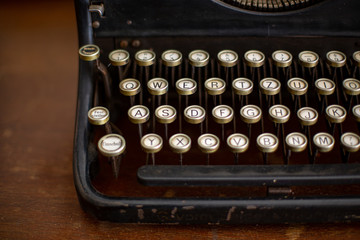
{"x":38,"y":77}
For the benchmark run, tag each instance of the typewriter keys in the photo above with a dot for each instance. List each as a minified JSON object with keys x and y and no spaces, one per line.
{"x":279,"y":113}
{"x":98,"y":115}
{"x":139,"y":114}
{"x":356,"y":58}
{"x":356,"y":112}
{"x":308,"y":59}
{"x":335,"y":113}
{"x":199,"y":58}
{"x":267,"y":143}
{"x":270,"y":86}
{"x":145,"y":58}
{"x":242,"y":86}
{"x":119,"y":57}
{"x":250,"y":114}
{"x":208,"y":143}
{"x":215,"y":86}
{"x":324,"y":142}
{"x":325,"y":86}
{"x":297,"y":86}
{"x":227,"y":58}
{"x":351,"y":86}
{"x":129,"y":87}
{"x":335,"y":59}
{"x":307,"y":116}
{"x":282,"y":58}
{"x":151,"y":144}
{"x":186,"y":86}
{"x":194,"y":114}
{"x":222,"y":114}
{"x":180,"y":143}
{"x":254,"y":58}
{"x":89,"y":52}
{"x":158,"y":86}
{"x":296,"y":142}
{"x":171,"y":58}
{"x":237,"y":143}
{"x":111,"y":145}
{"x":350,"y":142}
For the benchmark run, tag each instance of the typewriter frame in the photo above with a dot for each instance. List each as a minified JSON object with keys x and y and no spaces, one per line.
{"x":195,"y":210}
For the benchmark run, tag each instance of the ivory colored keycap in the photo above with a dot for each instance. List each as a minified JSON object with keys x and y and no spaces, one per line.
{"x":157,"y":86}
{"x":335,"y":113}
{"x":297,"y":86}
{"x":242,"y":86}
{"x":227,"y":58}
{"x":324,"y":142}
{"x":215,"y":86}
{"x":356,"y":112}
{"x":351,"y":86}
{"x":267,"y":142}
{"x":325,"y":86}
{"x":180,"y":143}
{"x":165,"y":114}
{"x":282,"y":58}
{"x":111,"y":145}
{"x":98,"y":115}
{"x":356,"y":58}
{"x":250,"y":114}
{"x":171,"y":58}
{"x":307,"y":116}
{"x":186,"y":86}
{"x":335,"y":58}
{"x":296,"y":142}
{"x":151,"y":143}
{"x":254,"y":58}
{"x":270,"y":86}
{"x":138,"y":114}
{"x":279,"y":113}
{"x":199,"y":58}
{"x":308,"y":59}
{"x":350,"y":142}
{"x":194,"y":114}
{"x":223,"y":114}
{"x":129,"y":87}
{"x":145,"y":58}
{"x":119,"y":57}
{"x":89,"y":52}
{"x":208,"y":143}
{"x":238,"y":142}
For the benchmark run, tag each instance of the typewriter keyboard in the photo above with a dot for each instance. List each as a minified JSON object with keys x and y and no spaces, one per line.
{"x":181,"y":119}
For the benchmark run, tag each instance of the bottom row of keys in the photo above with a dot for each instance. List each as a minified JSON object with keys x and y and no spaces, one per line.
{"x":113,"y":145}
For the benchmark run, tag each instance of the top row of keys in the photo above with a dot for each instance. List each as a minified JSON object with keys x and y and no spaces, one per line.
{"x":226,"y":58}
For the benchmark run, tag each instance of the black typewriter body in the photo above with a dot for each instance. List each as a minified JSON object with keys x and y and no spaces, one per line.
{"x":221,"y":187}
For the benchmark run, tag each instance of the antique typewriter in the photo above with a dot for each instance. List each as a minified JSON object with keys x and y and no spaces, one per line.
{"x":218,"y":111}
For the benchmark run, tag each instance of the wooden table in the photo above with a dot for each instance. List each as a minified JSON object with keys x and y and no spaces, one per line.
{"x":38,"y":77}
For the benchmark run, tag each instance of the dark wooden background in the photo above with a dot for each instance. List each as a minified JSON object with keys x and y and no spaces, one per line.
{"x":38,"y":85}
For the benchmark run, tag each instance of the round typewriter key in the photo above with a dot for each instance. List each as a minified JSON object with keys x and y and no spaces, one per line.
{"x":325,"y":86}
{"x":350,"y":142}
{"x":129,"y":87}
{"x":250,"y":114}
{"x":186,"y":86}
{"x":165,"y":114}
{"x":111,"y":145}
{"x":351,"y":86}
{"x":208,"y":143}
{"x":157,"y":86}
{"x":297,"y":86}
{"x":267,"y":142}
{"x":98,"y":115}
{"x":254,"y":58}
{"x":194,"y":114}
{"x":238,"y":142}
{"x":324,"y":142}
{"x":151,"y":143}
{"x":215,"y":86}
{"x":171,"y":58}
{"x":356,"y":58}
{"x":308,"y":59}
{"x":279,"y":113}
{"x":145,"y":58}
{"x":356,"y":112}
{"x":307,"y":116}
{"x":138,"y":114}
{"x":270,"y":86}
{"x":222,"y":114}
{"x":296,"y":142}
{"x":119,"y":57}
{"x":242,"y":86}
{"x":335,"y":58}
{"x":89,"y":52}
{"x":227,"y":58}
{"x":199,"y":58}
{"x":282,"y":58}
{"x":180,"y":143}
{"x":335,"y":113}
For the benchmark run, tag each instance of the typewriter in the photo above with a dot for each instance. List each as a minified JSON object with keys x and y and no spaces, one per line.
{"x":218,"y":111}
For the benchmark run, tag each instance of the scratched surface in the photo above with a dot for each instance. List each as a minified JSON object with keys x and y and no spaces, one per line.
{"x":38,"y":77}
